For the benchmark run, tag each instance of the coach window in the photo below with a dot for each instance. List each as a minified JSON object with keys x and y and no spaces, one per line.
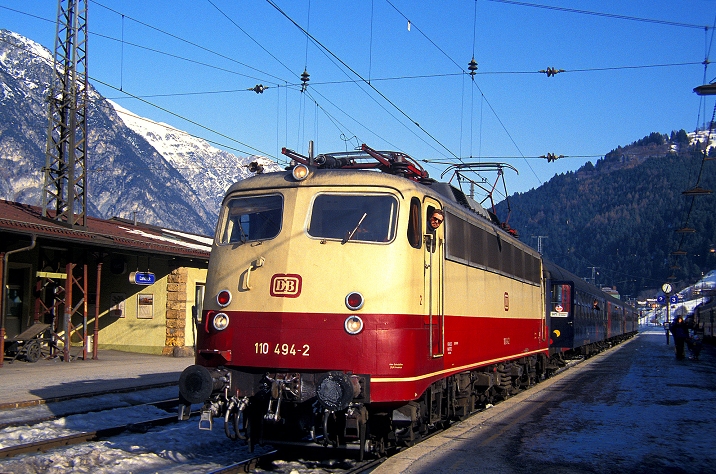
{"x":561,"y":296}
{"x":415,"y":236}
{"x":252,"y":218}
{"x":354,"y":217}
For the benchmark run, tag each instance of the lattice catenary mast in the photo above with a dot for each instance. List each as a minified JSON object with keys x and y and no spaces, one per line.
{"x":65,"y":187}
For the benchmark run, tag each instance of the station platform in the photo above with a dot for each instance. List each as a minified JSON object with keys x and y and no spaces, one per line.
{"x":633,"y":408}
{"x":25,"y":384}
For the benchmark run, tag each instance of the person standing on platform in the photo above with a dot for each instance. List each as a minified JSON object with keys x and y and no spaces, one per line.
{"x":680,"y":331}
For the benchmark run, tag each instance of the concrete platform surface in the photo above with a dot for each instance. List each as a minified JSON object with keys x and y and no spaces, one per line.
{"x":25,"y":384}
{"x":633,"y":409}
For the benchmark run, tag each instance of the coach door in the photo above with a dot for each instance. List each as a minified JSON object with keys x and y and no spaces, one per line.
{"x":434,"y":267}
{"x":561,"y":314}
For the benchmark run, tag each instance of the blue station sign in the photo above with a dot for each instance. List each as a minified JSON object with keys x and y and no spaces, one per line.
{"x":142,"y":278}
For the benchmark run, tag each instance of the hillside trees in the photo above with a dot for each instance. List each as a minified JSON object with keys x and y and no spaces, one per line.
{"x":622,"y":216}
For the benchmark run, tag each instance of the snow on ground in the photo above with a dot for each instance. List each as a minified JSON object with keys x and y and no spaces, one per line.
{"x":178,"y":448}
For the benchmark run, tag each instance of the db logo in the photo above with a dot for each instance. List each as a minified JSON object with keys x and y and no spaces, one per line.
{"x":286,"y":286}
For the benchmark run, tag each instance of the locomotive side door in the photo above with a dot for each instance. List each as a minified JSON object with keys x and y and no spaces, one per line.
{"x":434,"y":248}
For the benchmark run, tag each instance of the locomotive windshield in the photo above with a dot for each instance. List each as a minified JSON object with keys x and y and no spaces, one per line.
{"x":252,"y":218}
{"x":354,"y":217}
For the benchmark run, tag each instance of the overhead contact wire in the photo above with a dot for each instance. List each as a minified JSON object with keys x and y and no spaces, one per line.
{"x":362,"y":79}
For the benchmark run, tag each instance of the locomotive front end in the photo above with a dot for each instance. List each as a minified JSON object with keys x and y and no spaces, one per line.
{"x":300,"y":278}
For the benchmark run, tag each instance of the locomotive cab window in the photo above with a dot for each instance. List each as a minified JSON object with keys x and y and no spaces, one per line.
{"x":252,"y":218}
{"x":354,"y":217}
{"x":415,"y":234}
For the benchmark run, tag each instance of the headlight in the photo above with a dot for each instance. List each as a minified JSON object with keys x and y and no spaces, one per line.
{"x":353,"y":325}
{"x":300,"y":172}
{"x":221,"y":321}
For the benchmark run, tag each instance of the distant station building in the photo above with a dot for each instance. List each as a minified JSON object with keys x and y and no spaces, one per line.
{"x":112,"y":284}
{"x":611,"y":291}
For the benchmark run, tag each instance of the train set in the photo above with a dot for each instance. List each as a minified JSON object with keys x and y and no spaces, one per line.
{"x":337,"y":315}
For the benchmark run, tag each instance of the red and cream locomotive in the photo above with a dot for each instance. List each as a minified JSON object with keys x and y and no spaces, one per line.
{"x":337,"y":315}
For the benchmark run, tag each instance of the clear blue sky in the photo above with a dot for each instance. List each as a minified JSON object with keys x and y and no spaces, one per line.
{"x":197,"y":59}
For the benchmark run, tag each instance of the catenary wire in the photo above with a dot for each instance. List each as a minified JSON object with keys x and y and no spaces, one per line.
{"x":602,"y":14}
{"x":363,"y":80}
{"x":191,"y":43}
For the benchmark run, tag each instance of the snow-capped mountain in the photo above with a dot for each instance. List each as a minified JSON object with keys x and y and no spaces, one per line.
{"x":209,"y":170}
{"x":134,"y":166}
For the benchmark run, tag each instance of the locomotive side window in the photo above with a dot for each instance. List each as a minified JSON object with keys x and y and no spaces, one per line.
{"x":475,"y":246}
{"x":354,"y":217}
{"x":415,"y":235}
{"x":252,"y":218}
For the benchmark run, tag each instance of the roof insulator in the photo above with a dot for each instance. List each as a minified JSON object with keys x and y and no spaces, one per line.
{"x":305,"y":77}
{"x":255,"y":167}
{"x":472,"y":66}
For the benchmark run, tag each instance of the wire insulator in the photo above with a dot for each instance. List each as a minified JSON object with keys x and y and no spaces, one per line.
{"x":305,"y":77}
{"x":550,"y":157}
{"x":550,"y":71}
{"x":472,"y":66}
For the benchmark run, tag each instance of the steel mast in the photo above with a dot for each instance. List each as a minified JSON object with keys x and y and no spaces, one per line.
{"x":65,"y":186}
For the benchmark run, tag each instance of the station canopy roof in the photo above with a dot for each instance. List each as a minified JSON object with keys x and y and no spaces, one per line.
{"x":115,"y":233}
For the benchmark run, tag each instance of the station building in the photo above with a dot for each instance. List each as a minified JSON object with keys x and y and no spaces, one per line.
{"x":111,"y":284}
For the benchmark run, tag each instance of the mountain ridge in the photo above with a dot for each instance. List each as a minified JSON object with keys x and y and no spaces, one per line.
{"x":620,"y":216}
{"x":124,"y":166}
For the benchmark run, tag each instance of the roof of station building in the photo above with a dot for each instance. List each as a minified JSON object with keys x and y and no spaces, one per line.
{"x":115,"y":233}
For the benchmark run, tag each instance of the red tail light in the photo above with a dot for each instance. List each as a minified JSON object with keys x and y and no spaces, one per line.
{"x":354,"y":301}
{"x":223,"y":298}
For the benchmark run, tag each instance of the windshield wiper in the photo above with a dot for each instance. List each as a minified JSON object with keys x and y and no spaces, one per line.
{"x":244,"y":237}
{"x":349,"y":235}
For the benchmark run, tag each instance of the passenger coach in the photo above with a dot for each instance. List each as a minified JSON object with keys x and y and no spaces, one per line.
{"x":582,"y":318}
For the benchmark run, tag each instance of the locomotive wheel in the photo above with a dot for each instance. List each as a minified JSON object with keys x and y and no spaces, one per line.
{"x":33,"y":351}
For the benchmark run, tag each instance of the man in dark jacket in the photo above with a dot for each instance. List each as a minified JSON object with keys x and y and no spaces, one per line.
{"x":680,"y":331}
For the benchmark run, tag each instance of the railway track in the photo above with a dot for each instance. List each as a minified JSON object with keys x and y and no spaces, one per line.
{"x":88,"y":436}
{"x":267,"y":462}
{"x":167,"y":405}
{"x":282,"y":462}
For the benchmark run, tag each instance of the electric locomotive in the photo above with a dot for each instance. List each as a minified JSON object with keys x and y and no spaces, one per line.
{"x":335,"y":315}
